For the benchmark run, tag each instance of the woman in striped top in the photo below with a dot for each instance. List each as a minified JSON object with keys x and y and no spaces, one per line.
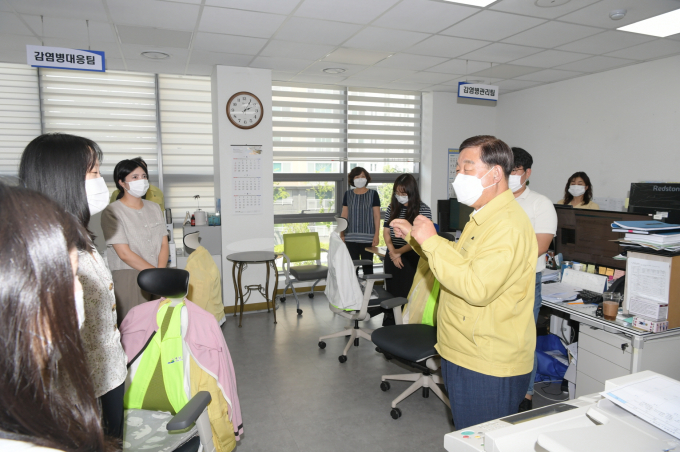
{"x":361,"y":207}
{"x":401,"y":261}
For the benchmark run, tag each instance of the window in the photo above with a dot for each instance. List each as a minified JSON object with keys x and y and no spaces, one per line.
{"x":19,"y":114}
{"x":185,"y":105}
{"x":115,"y":109}
{"x":321,"y":133}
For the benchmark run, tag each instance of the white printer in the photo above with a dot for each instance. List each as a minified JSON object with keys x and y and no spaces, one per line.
{"x":589,"y":423}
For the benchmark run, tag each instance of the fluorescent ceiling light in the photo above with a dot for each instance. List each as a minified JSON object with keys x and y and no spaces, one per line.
{"x":481,"y":3}
{"x":662,"y":25}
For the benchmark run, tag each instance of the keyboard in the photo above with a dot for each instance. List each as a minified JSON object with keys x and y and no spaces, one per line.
{"x":588,"y":296}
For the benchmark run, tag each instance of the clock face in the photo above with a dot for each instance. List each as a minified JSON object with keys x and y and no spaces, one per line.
{"x":244,"y":110}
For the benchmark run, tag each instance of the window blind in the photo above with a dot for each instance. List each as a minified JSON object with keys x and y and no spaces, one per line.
{"x":309,"y":122}
{"x":383,"y":125}
{"x":115,"y":109}
{"x":187,"y":149}
{"x":19,"y":114}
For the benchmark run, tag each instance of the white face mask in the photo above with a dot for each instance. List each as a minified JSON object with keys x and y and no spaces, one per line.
{"x":577,"y":190}
{"x":80,"y":307}
{"x":515,"y":182}
{"x":138,"y":188}
{"x":97,"y":194}
{"x":402,"y":199}
{"x":360,"y":182}
{"x":469,"y":188}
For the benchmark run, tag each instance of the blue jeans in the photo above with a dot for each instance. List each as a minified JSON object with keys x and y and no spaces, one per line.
{"x":477,"y":398}
{"x":537,"y":307}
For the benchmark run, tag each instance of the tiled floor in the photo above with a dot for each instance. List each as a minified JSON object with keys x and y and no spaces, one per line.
{"x":296,"y":397}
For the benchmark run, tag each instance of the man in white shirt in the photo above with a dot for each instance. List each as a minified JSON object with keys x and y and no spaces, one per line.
{"x":543,"y":218}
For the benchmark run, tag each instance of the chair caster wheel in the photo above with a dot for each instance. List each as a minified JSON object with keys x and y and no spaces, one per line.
{"x":356,"y":341}
{"x":426,"y":393}
{"x":385,"y":386}
{"x":322,"y":345}
{"x":299,"y":311}
{"x":283,"y":299}
{"x":377,"y":349}
{"x":342,"y":359}
{"x":395,"y":413}
{"x":311,"y":295}
{"x":387,"y":356}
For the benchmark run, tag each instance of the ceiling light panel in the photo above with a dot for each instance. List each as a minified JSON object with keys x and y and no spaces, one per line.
{"x":236,"y":22}
{"x":552,"y":34}
{"x":529,"y":8}
{"x":445,"y":46}
{"x":595,"y":64}
{"x":424,"y":16}
{"x":480,"y":3}
{"x":384,"y":39}
{"x":298,"y":50}
{"x":597,"y":15}
{"x":663,"y":25}
{"x":650,"y":50}
{"x":609,"y":41}
{"x":263,"y":6}
{"x":212,"y":42}
{"x":492,"y":26}
{"x":356,"y":56}
{"x":410,"y":62}
{"x":302,"y":29}
{"x":500,"y":53}
{"x":352,"y":11}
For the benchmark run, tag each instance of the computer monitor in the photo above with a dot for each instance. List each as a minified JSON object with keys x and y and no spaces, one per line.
{"x":586,"y":235}
{"x":459,"y":214}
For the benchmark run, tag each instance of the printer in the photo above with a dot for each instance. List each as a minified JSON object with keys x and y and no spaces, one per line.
{"x":589,"y":423}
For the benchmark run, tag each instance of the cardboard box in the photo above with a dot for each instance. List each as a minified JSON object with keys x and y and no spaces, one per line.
{"x":650,"y":309}
{"x":654,"y":326}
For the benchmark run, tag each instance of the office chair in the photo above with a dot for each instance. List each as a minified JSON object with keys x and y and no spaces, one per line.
{"x":345,"y":294}
{"x":302,"y":247}
{"x":412,"y":344}
{"x":172,"y":284}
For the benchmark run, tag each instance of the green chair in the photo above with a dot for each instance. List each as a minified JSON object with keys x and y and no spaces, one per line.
{"x":302,"y":247}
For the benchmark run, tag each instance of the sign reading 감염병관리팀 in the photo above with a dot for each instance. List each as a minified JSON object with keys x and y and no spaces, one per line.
{"x":61,"y":58}
{"x":476,"y":91}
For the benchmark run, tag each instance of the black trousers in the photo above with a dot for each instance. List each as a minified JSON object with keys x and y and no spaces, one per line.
{"x":358,"y":251}
{"x":399,"y":285}
{"x":112,"y":411}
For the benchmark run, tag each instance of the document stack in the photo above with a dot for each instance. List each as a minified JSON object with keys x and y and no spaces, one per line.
{"x":655,"y":235}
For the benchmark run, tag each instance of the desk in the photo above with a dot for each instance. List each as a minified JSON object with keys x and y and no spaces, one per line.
{"x":241,"y":260}
{"x":376,"y":250}
{"x":611,"y":349}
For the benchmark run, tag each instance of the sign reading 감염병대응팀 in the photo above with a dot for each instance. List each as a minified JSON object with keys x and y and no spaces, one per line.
{"x":475,"y":91}
{"x":61,"y":58}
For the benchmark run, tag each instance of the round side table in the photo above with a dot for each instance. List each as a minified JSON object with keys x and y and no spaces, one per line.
{"x":241,"y":261}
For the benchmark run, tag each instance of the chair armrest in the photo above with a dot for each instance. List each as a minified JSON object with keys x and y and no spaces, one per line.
{"x":393,"y":303}
{"x":362,"y":262}
{"x":191,"y":411}
{"x":378,"y":276}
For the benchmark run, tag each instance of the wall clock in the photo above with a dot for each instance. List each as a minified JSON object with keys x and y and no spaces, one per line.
{"x":244,"y":110}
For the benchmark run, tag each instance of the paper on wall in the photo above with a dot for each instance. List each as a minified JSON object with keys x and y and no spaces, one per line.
{"x":246,"y":179}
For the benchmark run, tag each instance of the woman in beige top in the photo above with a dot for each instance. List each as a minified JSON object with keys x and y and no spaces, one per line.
{"x":135,"y":234}
{"x":579,"y":192}
{"x":66,"y":168}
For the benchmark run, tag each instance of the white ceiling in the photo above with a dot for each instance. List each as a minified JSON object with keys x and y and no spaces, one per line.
{"x":426,"y":45}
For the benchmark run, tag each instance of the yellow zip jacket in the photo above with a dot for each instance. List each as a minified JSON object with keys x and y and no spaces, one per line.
{"x":205,"y":288}
{"x":487,"y":279}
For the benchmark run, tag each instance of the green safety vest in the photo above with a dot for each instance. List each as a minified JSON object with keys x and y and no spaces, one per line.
{"x":166,"y":347}
{"x":428,"y":313}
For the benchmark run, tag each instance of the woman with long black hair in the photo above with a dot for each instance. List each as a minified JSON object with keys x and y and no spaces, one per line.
{"x":401,"y":261}
{"x":579,"y":192}
{"x":47,"y":396}
{"x":66,"y":169}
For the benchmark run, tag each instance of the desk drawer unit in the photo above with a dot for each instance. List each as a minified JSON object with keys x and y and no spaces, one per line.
{"x":615,"y":348}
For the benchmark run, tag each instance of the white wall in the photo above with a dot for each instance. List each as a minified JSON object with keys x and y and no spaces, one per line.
{"x":620,"y":126}
{"x":242,"y":232}
{"x":447,"y":122}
